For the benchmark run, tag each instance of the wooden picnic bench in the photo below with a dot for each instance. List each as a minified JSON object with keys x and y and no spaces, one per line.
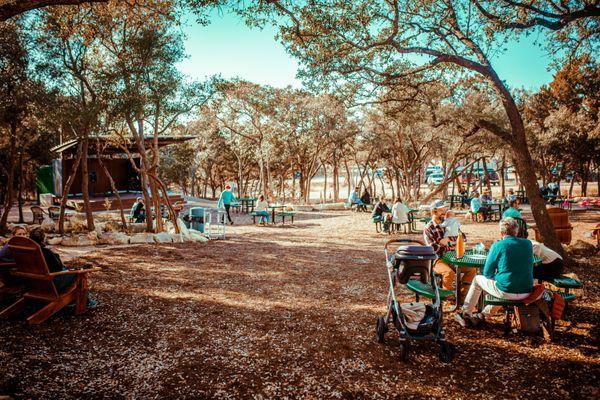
{"x":40,"y":285}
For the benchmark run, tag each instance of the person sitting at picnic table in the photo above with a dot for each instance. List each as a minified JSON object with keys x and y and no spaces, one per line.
{"x":138,"y":211}
{"x":366,"y":198}
{"x":477,"y":207}
{"x":486,"y":198}
{"x":513,"y":210}
{"x":507,"y":274}
{"x":379,"y":210}
{"x":400,"y":212}
{"x":262,"y":209}
{"x":55,"y":264}
{"x":355,"y":200}
{"x":552,"y":263}
{"x":434,"y":236}
{"x":225,"y":200}
{"x":510,"y":196}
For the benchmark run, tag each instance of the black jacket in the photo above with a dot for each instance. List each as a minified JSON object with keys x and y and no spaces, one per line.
{"x":379,"y":209}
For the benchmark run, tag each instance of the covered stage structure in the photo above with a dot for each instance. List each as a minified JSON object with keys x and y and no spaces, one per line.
{"x":114,"y":157}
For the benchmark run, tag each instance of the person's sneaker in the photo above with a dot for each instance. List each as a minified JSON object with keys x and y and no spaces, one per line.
{"x":91,"y":304}
{"x":463,"y":320}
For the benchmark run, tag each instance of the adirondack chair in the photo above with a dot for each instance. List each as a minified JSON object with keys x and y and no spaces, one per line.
{"x":39,"y":283}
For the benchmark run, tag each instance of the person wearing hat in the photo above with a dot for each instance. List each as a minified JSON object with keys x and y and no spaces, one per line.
{"x":227,"y":197}
{"x":433,"y":234}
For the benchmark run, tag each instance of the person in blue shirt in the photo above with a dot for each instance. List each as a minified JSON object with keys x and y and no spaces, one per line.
{"x":507,"y":274}
{"x":477,"y":207}
{"x":513,"y":210}
{"x":355,"y":199}
{"x":225,"y":200}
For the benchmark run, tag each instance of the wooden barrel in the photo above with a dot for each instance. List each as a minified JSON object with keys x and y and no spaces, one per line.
{"x":562,"y":226}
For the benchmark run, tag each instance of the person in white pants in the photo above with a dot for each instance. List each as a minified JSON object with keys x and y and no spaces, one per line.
{"x":507,"y":274}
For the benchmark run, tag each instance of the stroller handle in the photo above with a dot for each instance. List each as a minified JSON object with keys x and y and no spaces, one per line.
{"x":392,"y":241}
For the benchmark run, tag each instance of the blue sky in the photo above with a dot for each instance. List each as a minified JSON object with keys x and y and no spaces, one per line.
{"x":228,"y":47}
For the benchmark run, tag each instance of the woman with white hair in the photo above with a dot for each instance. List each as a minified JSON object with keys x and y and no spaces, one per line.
{"x":507,"y":274}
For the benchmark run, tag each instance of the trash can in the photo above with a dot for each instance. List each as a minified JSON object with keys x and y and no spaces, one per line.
{"x":197,"y":218}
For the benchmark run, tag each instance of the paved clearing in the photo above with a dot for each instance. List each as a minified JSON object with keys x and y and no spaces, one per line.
{"x":277,"y":312}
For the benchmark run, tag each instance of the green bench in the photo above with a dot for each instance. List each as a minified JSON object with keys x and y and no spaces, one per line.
{"x":289,"y":214}
{"x":426,"y":290}
{"x":377,"y":221}
{"x":254,"y":215}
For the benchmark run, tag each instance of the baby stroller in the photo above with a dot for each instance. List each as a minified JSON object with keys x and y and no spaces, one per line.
{"x":410,"y":262}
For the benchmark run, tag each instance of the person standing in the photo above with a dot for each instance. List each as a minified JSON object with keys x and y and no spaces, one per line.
{"x":225,"y":200}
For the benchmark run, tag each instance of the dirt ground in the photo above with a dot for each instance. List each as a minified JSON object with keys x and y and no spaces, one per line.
{"x":283,"y":312}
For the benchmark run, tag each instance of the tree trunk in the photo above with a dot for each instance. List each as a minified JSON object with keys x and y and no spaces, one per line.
{"x":487,"y":175}
{"x":324,"y":182}
{"x":65,"y":190}
{"x":163,"y":188}
{"x":85,"y":187}
{"x":502,"y":179}
{"x":8,"y":201}
{"x":336,"y":181}
{"x":524,"y":165}
{"x":115,"y":191}
{"x":20,"y":194}
{"x":349,"y":180}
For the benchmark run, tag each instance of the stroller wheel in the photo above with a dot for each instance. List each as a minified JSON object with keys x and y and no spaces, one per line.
{"x":447,"y":351}
{"x":381,"y":329}
{"x":404,"y":348}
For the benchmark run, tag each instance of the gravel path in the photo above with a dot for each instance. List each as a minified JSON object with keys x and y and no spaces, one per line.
{"x":279,"y":312}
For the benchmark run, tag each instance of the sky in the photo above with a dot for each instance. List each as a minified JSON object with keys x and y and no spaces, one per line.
{"x":228,"y":47}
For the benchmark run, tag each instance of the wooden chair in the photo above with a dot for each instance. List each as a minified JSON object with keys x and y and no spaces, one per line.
{"x":596,"y":233}
{"x":54,"y":212}
{"x":38,"y":214}
{"x":39,"y":283}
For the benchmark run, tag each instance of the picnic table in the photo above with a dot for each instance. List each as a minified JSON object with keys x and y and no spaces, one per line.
{"x":455,"y":199}
{"x":275,"y":207}
{"x":568,"y":205}
{"x":247,"y":203}
{"x":522,"y":196}
{"x":495,"y":208}
{"x":471,"y":259}
{"x":412,"y":218}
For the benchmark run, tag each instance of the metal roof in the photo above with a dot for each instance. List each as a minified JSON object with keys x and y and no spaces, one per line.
{"x":108,"y":145}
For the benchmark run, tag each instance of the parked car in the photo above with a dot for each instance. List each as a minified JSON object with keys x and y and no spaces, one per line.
{"x":435,"y":178}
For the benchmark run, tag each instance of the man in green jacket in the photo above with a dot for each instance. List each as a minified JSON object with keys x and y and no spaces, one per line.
{"x":225,"y":200}
{"x":507,"y":274}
